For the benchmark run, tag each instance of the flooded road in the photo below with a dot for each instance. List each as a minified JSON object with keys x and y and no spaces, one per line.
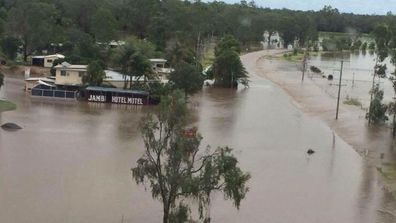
{"x":71,"y":162}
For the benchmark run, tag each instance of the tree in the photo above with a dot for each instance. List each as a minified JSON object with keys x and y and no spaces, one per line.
{"x":94,"y":75}
{"x":9,"y":46}
{"x":377,"y":110}
{"x":187,"y":77}
{"x":177,"y":170}
{"x":133,"y":59}
{"x":32,"y":22}
{"x":103,"y":25}
{"x":228,"y":69}
{"x":228,"y":42}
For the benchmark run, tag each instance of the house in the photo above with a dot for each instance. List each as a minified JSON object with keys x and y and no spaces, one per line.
{"x":69,"y":75}
{"x":45,"y":61}
{"x":272,"y":40}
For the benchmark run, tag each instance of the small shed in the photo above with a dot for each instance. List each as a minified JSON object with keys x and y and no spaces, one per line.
{"x":46,"y":60}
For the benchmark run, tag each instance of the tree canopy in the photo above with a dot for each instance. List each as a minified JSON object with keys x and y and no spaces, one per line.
{"x":188,"y":78}
{"x":95,"y":74}
{"x":177,"y":170}
{"x":73,"y":26}
{"x":227,"y":68}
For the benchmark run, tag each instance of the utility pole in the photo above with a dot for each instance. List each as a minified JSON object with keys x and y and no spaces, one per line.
{"x":353,"y":80}
{"x":339,"y":89}
{"x":304,"y":66}
{"x":372,"y":90}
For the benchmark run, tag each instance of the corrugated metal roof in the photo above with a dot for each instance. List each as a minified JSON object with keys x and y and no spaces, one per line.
{"x":116,"y":90}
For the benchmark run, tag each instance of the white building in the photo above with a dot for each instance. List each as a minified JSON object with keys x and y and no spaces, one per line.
{"x":68,"y":74}
{"x":272,"y":42}
{"x":45,"y":61}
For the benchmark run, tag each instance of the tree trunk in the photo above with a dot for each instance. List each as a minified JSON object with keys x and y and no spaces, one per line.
{"x":165,"y":218}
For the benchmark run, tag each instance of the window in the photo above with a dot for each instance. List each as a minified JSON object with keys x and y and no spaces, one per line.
{"x":49,"y":61}
{"x":63,"y":73}
{"x":81,"y":73}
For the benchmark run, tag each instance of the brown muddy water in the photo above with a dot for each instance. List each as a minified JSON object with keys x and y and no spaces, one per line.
{"x":72,"y":160}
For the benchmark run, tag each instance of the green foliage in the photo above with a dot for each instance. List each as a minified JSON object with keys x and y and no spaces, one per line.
{"x":228,"y":42}
{"x":133,"y":59}
{"x":188,"y":78}
{"x":9,"y":46}
{"x":377,"y":111}
{"x":95,"y":74}
{"x":228,"y":68}
{"x":103,"y":25}
{"x":33,"y":23}
{"x":175,"y":168}
{"x":7,"y":105}
{"x":179,"y":54}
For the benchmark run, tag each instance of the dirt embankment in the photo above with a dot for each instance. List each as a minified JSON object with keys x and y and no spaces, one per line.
{"x":19,"y":71}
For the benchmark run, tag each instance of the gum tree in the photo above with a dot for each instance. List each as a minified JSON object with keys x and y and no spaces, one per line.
{"x":177,"y":170}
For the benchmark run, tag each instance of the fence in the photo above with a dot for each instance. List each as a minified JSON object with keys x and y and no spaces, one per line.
{"x":54,"y":93}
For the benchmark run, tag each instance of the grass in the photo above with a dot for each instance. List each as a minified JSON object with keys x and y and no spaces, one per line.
{"x":353,"y":101}
{"x":293,"y":57}
{"x":6,"y":106}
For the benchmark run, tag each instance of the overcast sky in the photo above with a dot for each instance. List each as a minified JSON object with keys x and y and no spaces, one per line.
{"x":356,"y":6}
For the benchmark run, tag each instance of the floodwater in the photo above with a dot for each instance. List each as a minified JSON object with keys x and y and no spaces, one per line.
{"x":357,"y":77}
{"x":72,"y":160}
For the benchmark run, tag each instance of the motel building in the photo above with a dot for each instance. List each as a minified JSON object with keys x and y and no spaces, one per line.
{"x":68,"y":84}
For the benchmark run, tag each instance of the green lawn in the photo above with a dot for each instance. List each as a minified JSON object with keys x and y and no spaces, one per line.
{"x":6,"y":106}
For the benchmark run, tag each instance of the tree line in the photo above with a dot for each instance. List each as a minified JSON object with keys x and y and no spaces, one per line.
{"x":74,"y":26}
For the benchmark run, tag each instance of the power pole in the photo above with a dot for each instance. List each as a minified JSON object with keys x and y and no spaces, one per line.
{"x":339,"y":89}
{"x":372,"y":89}
{"x":304,"y":66}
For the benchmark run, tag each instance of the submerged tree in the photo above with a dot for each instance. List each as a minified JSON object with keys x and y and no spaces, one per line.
{"x":188,"y":78}
{"x":228,"y":69}
{"x":377,"y":112}
{"x":176,"y":169}
{"x":382,"y":37}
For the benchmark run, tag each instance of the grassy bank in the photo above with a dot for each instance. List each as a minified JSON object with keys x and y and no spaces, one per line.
{"x":6,"y":106}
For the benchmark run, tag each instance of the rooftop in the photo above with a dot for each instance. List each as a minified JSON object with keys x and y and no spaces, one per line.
{"x":116,"y":90}
{"x":70,"y":66}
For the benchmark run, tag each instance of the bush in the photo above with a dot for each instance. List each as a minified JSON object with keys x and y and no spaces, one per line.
{"x":353,"y":101}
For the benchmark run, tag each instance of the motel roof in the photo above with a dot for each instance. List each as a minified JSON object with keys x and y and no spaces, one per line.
{"x":68,"y":66}
{"x":115,"y":90}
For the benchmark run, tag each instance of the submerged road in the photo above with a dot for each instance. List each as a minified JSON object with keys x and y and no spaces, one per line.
{"x":71,"y":162}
